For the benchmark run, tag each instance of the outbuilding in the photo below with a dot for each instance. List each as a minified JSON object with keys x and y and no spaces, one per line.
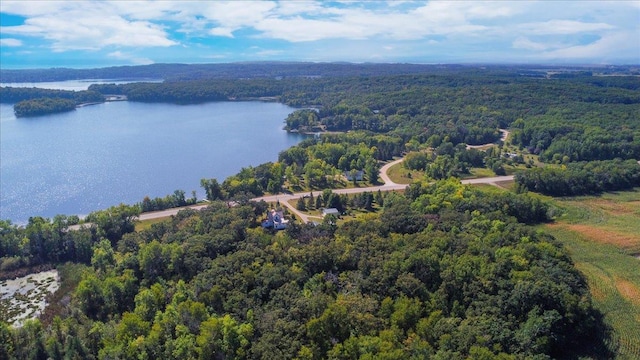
{"x":330,"y":211}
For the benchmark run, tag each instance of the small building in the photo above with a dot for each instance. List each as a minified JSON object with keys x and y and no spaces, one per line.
{"x":330,"y":211}
{"x":359,"y":175}
{"x":275,"y":220}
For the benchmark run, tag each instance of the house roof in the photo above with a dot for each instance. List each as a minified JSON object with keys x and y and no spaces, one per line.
{"x":330,"y":211}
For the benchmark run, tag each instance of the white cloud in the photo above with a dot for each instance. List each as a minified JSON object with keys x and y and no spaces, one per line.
{"x":290,"y":8}
{"x":85,"y":26}
{"x":35,"y":8}
{"x":563,"y":27}
{"x":533,"y":27}
{"x":269,"y":53}
{"x":609,"y":46}
{"x":524,"y":43}
{"x":10,"y":42}
{"x":237,"y":14}
{"x":130,"y":58}
{"x":222,"y":31}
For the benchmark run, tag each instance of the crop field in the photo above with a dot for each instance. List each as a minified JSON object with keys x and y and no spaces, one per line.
{"x":602,"y":234}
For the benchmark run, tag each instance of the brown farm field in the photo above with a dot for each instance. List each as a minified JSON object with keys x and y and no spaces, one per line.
{"x":602,"y":234}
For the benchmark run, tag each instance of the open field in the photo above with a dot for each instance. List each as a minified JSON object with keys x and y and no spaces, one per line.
{"x":602,"y":234}
{"x":612,"y":218}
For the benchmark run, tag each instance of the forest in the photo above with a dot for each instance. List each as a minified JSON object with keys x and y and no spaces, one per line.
{"x":43,"y":106}
{"x":12,"y":95}
{"x":35,"y":101}
{"x":251,"y":70}
{"x":582,"y":178}
{"x":440,"y":270}
{"x":422,"y":278}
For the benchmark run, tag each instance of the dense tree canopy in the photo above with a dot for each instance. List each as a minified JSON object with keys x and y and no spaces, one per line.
{"x":440,"y":271}
{"x":43,"y":106}
{"x":443,"y":272}
{"x":582,"y":178}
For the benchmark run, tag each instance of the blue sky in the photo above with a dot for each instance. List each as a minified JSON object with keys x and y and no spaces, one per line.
{"x":42,"y":34}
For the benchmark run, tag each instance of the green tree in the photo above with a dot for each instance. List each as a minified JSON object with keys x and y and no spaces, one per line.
{"x":212,"y":189}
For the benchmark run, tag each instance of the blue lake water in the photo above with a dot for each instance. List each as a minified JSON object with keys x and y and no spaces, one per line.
{"x":75,"y":85}
{"x":103,"y":155}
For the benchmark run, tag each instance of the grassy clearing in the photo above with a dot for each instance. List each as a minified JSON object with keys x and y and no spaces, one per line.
{"x":509,"y":185}
{"x":401,"y":175}
{"x":146,"y":224}
{"x":612,"y":218}
{"x":308,"y":211}
{"x":481,"y":172}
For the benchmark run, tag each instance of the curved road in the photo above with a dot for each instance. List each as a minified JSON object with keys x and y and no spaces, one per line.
{"x":389,"y":185}
{"x":505,"y":134}
{"x":284,"y":199}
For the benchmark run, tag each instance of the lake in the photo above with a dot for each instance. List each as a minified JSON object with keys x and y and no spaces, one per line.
{"x":119,"y":152}
{"x":75,"y":85}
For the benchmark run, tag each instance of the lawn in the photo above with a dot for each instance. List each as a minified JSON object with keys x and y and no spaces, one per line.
{"x":146,"y":224}
{"x":401,"y":175}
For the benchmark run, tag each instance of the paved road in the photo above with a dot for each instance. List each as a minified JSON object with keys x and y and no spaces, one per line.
{"x":388,"y":186}
{"x":503,"y":138}
{"x":149,"y":215}
{"x":284,"y":199}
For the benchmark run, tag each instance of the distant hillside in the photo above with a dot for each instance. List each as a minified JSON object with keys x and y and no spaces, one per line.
{"x":275,"y":70}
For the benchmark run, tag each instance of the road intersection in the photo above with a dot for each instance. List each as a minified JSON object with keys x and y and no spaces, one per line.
{"x":284,"y":199}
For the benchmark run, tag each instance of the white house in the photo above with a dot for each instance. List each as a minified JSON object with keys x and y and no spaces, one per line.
{"x":275,"y":219}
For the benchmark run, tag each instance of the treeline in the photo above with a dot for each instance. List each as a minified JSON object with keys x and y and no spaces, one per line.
{"x":467,"y":106}
{"x":581,"y":178}
{"x":298,"y":69}
{"x":35,"y":101}
{"x":48,"y":241}
{"x":177,"y":199}
{"x":243,"y":70}
{"x":43,"y":106}
{"x":174,"y":92}
{"x":14,"y":95}
{"x":315,"y":163}
{"x":582,"y":133}
{"x":443,"y":272}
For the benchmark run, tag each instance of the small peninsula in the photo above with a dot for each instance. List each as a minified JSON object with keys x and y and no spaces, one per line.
{"x":43,"y":106}
{"x":35,"y":101}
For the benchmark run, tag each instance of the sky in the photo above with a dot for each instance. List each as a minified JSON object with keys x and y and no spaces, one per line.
{"x":85,"y":34}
